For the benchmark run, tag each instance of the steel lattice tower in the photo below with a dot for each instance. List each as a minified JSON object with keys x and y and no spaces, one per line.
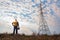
{"x":43,"y":26}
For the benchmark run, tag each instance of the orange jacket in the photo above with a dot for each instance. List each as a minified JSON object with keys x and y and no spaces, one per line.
{"x":15,"y":23}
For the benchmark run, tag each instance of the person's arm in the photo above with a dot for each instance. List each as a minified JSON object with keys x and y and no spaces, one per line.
{"x":12,"y":23}
{"x":18,"y":23}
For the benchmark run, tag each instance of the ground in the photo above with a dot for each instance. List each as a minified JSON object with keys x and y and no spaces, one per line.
{"x":32,"y":37}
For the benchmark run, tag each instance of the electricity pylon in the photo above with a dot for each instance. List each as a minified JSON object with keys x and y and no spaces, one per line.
{"x":43,"y":26}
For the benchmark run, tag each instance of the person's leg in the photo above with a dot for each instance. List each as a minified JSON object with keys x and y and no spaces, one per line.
{"x":14,"y":30}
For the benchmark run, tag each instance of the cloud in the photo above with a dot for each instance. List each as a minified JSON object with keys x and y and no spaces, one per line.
{"x":27,"y":13}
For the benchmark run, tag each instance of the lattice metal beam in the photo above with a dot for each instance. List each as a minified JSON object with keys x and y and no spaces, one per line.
{"x":43,"y":29}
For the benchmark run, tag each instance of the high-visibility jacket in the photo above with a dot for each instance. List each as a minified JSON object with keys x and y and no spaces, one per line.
{"x":15,"y":24}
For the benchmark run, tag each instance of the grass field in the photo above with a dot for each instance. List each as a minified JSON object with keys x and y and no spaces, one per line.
{"x":33,"y":37}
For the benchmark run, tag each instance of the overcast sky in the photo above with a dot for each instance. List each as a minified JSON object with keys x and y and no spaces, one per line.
{"x":27,"y":14}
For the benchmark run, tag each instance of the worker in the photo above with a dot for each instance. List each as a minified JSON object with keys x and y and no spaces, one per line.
{"x":15,"y":26}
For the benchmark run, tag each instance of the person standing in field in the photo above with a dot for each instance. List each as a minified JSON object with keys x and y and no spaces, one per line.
{"x":15,"y":26}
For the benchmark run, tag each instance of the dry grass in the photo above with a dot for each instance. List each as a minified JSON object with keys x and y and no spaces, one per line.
{"x":33,"y":37}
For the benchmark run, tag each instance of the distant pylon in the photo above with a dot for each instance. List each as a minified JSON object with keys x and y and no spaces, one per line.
{"x":43,"y":26}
